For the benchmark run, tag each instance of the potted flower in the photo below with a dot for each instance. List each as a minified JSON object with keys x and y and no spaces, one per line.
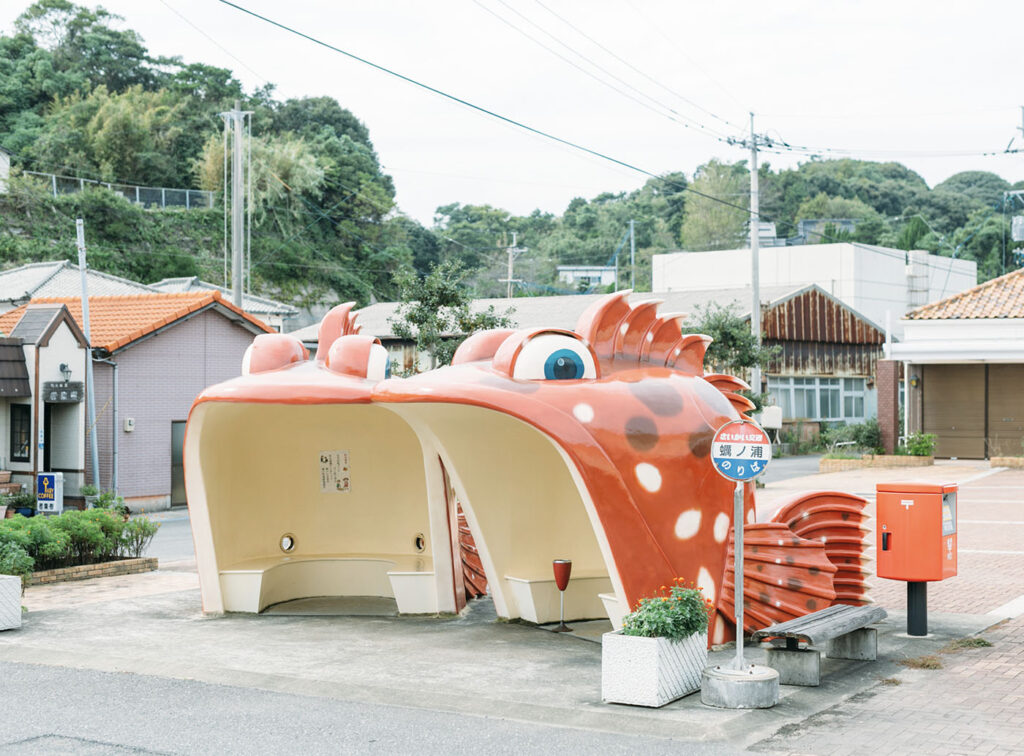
{"x":90,"y":493}
{"x":661,"y":651}
{"x":22,"y":503}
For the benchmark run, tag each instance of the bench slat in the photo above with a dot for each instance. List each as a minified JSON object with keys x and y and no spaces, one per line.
{"x":825,"y":624}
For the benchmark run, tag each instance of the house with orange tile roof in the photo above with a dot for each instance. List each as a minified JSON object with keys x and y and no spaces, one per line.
{"x":152,"y":354}
{"x":963,"y":364}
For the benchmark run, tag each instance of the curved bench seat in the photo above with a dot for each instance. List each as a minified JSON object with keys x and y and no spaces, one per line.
{"x":254,"y":584}
{"x":536,"y":595}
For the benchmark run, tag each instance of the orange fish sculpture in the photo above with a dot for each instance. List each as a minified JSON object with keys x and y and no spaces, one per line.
{"x":592,"y":444}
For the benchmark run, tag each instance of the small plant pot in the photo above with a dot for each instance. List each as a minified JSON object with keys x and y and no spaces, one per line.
{"x":9,"y":513}
{"x":5,"y":476}
{"x":25,"y":512}
{"x":651,"y":671}
{"x":90,"y":501}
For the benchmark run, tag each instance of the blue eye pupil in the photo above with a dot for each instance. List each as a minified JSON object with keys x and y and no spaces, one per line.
{"x":563,"y":365}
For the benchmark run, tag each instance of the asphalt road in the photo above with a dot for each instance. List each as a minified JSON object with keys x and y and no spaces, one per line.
{"x":173,"y":541}
{"x":784,"y":468}
{"x":114,"y":714}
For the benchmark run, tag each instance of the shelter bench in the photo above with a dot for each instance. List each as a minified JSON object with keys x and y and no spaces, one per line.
{"x":844,"y":629}
{"x":536,"y":597}
{"x":255,"y":584}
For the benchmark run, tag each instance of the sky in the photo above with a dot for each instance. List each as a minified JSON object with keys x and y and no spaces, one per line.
{"x":652,"y":83}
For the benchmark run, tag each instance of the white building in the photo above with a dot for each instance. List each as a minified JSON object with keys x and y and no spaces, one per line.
{"x":588,"y":275}
{"x":879,"y":282}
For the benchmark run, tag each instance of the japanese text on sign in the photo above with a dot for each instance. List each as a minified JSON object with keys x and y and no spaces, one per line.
{"x":335,"y":473}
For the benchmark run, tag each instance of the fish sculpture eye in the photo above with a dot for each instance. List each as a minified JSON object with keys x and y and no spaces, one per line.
{"x":554,"y":357}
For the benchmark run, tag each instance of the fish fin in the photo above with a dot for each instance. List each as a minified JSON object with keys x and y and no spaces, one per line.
{"x":785,"y":577}
{"x":838,"y":521}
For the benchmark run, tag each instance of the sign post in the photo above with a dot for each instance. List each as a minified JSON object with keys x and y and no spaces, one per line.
{"x":740,"y":452}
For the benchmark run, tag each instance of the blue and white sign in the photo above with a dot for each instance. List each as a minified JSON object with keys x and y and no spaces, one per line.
{"x":50,"y":493}
{"x":741,"y":450}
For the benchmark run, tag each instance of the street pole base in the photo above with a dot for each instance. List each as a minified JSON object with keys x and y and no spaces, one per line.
{"x":562,"y":628}
{"x":752,"y":687}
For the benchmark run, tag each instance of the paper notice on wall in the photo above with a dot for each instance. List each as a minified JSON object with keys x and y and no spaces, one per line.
{"x":335,"y":473}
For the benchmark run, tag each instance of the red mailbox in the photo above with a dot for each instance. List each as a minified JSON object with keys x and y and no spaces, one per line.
{"x":916,"y":531}
{"x":916,"y":536}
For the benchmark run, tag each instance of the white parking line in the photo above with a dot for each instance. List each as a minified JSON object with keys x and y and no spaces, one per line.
{"x":1009,"y":610}
{"x":990,"y":522}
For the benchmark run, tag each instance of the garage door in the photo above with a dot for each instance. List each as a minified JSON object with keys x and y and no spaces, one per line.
{"x":954,"y":409}
{"x":1005,"y":410}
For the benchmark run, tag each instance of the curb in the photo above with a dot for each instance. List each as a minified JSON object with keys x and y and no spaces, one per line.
{"x":89,"y":571}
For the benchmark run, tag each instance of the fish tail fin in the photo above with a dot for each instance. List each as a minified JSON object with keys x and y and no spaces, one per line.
{"x":785,"y":576}
{"x":838,"y":521}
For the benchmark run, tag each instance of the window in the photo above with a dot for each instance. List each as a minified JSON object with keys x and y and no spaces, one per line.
{"x":819,"y":398}
{"x":21,"y":432}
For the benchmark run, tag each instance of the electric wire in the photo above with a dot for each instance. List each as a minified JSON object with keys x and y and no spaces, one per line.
{"x":671,"y":115}
{"x":629,"y":65}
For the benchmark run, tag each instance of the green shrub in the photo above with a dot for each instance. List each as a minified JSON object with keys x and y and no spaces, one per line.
{"x":23,"y":500}
{"x":868,"y":436}
{"x":920,"y":444}
{"x":14,"y":560}
{"x":88,"y":490}
{"x":677,"y":613}
{"x":137,"y":535}
{"x":87,"y":541}
{"x":113,"y":502}
{"x":13,"y":531}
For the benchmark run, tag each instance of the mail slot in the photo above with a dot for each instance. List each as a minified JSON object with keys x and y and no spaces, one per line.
{"x":916,"y":533}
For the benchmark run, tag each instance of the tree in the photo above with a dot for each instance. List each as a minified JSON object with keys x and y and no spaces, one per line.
{"x":708,"y":222}
{"x":436,"y":313}
{"x":734,"y":348}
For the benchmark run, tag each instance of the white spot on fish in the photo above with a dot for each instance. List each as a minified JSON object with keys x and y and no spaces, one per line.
{"x":721,"y":527}
{"x":688,"y":524}
{"x":649,"y":477}
{"x":751,"y":516}
{"x":705,"y":581}
{"x":583,"y":412}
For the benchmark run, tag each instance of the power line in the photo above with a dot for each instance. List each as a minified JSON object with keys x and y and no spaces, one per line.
{"x":670,"y":116}
{"x":478,"y":108}
{"x":626,"y":63}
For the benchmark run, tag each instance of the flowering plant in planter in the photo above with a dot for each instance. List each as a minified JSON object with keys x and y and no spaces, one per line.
{"x":677,"y":613}
{"x":661,"y":651}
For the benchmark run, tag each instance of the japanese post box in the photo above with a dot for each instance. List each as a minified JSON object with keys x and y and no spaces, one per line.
{"x":916,"y":532}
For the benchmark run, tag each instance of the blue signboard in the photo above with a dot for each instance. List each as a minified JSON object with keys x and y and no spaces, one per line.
{"x":50,"y":493}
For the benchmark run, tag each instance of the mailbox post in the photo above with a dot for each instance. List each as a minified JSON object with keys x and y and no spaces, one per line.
{"x":916,"y":538}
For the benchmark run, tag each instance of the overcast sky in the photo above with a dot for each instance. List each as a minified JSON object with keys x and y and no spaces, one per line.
{"x":906,"y":81}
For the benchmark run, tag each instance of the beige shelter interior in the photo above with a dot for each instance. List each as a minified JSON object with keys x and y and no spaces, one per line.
{"x":254,"y":475}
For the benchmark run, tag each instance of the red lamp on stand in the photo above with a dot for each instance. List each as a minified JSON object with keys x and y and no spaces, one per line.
{"x":562,"y":568}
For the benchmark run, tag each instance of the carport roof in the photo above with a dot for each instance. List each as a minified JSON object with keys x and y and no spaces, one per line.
{"x":1001,"y":297}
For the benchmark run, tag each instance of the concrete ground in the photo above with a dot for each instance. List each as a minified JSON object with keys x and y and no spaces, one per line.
{"x":130,"y":664}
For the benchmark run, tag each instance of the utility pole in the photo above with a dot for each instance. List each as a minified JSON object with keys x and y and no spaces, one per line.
{"x":632,"y":256}
{"x":513,"y":253}
{"x":237,"y":117}
{"x":755,"y":244}
{"x":89,"y":396}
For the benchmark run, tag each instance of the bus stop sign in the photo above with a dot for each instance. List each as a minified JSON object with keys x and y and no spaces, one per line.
{"x":741,"y":450}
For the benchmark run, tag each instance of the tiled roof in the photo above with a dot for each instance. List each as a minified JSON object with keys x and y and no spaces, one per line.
{"x":1001,"y":297}
{"x":61,"y":279}
{"x":563,"y":311}
{"x":13,"y":371}
{"x":253,"y":303}
{"x":116,"y":322}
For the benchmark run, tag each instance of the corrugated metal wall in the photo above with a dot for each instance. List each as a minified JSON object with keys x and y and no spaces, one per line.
{"x":818,"y":336}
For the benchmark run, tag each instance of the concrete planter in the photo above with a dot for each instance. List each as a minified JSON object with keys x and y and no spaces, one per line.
{"x":650,"y":671}
{"x":10,"y":602}
{"x":873,"y":460}
{"x":1013,"y":462}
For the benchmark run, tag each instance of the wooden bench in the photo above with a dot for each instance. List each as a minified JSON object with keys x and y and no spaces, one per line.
{"x":843,"y":629}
